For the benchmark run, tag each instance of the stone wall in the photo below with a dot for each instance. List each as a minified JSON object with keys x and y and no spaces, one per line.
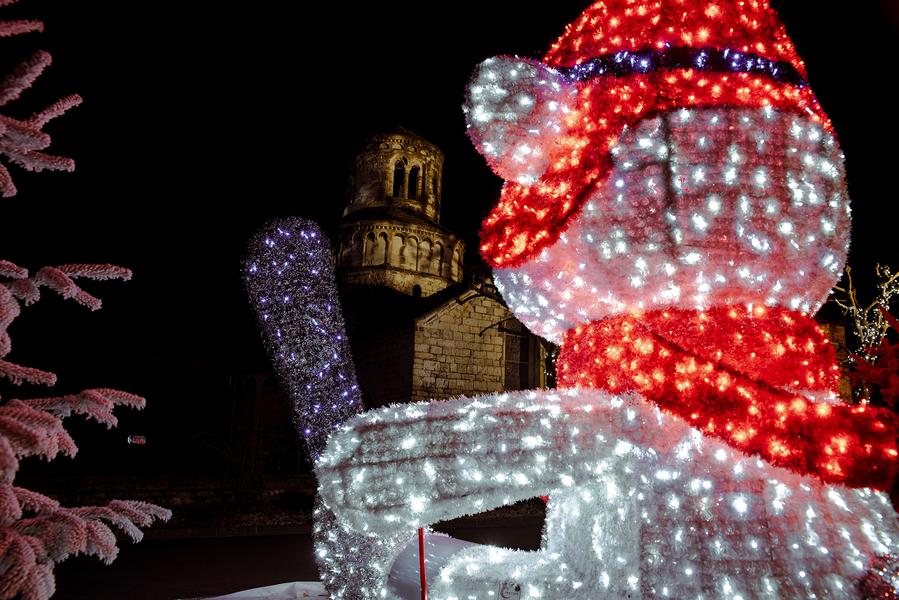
{"x":452,"y":356}
{"x":398,"y":279}
{"x":392,"y":218}
{"x":416,"y":247}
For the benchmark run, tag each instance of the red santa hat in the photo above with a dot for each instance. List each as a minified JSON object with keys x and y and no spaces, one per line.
{"x":608,"y":26}
{"x":628,"y":60}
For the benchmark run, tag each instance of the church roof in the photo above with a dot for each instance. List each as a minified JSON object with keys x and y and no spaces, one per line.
{"x":389,"y":307}
{"x":408,"y":132}
{"x":393,"y":214}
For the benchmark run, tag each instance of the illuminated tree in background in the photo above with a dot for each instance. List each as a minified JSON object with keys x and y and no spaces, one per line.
{"x":873,"y":359}
{"x":869,"y":323}
{"x":35,"y":531}
{"x":883,"y":369}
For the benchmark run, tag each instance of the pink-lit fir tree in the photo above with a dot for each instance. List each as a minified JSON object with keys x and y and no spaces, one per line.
{"x":22,"y":141}
{"x":35,"y":531}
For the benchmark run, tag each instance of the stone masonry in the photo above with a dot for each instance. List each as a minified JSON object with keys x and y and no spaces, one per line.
{"x":421,"y":325}
{"x":459,"y":349}
{"x":391,"y":235}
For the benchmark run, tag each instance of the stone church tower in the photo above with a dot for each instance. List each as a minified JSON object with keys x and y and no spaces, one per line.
{"x":419,"y":327}
{"x":390,"y":234}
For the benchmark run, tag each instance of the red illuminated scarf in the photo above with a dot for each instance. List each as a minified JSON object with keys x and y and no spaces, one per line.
{"x":747,"y":377}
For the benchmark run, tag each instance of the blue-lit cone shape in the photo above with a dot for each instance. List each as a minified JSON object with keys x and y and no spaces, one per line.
{"x":290,"y":280}
{"x":289,"y":277}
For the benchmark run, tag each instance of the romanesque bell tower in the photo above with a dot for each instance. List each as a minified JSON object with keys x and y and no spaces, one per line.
{"x":390,"y":234}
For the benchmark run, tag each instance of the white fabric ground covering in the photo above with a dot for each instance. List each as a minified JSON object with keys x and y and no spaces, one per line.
{"x":282,"y":591}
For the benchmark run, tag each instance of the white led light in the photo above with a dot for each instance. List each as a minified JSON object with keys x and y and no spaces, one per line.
{"x":626,"y":458}
{"x":623,"y":252}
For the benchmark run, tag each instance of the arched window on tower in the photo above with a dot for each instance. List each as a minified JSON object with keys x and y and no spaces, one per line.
{"x":354,"y":251}
{"x":368,"y":253}
{"x":435,"y":181}
{"x":436,"y":259}
{"x":412,"y":191}
{"x":424,"y":256}
{"x":381,"y":246}
{"x":412,"y":255}
{"x":399,"y":175}
{"x":397,"y":251}
{"x":456,"y":266}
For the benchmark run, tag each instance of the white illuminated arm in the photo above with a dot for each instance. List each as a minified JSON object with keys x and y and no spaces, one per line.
{"x":517,"y":110}
{"x":416,"y":464}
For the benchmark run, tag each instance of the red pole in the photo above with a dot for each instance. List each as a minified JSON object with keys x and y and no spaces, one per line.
{"x":421,"y":564}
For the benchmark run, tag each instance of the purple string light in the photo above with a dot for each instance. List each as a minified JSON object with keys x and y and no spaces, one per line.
{"x":289,"y":277}
{"x":622,"y":63}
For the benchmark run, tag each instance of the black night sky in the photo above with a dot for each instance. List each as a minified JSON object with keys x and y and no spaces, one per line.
{"x":204,"y":119}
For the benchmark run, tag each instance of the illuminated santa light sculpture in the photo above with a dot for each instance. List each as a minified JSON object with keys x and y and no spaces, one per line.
{"x":675,"y":208}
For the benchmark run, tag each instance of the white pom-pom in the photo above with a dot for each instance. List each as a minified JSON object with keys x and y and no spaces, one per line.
{"x":515,"y":109}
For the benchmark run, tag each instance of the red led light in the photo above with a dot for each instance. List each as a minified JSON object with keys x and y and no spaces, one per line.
{"x":529,"y":218}
{"x":693,"y":364}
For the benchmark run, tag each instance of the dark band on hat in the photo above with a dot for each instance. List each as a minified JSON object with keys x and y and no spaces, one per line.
{"x":712,"y":60}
